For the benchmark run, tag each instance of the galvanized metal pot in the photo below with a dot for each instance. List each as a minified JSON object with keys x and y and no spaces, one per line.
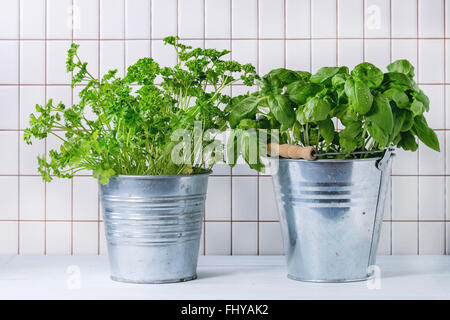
{"x":331,"y":213}
{"x":153,"y":226}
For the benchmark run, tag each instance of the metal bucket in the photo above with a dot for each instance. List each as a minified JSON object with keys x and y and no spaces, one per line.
{"x":331,"y":213}
{"x":153,"y":226}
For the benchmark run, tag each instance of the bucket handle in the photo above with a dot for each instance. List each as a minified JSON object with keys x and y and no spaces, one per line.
{"x":382,"y":163}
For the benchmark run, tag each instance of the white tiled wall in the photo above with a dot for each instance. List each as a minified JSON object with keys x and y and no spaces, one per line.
{"x":63,"y":217}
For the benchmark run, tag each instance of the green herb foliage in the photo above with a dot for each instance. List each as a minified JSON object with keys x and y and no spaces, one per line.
{"x":376,"y":109}
{"x":124,"y":125}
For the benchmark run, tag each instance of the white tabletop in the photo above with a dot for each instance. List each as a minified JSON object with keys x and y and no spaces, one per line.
{"x":219,"y":277}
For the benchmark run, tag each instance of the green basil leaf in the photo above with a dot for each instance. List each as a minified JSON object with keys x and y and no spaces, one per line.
{"x":369,"y":74}
{"x":421,"y":96}
{"x":417,"y":107}
{"x":359,"y":95}
{"x":299,"y":91}
{"x":326,"y":130}
{"x":425,"y":133}
{"x":408,"y":122}
{"x":378,"y":134}
{"x":408,"y":141}
{"x":325,"y":73}
{"x":381,"y":114}
{"x":398,"y":96}
{"x":281,"y":108}
{"x":398,"y":80}
{"x":242,"y":108}
{"x":316,"y":109}
{"x":402,"y":66}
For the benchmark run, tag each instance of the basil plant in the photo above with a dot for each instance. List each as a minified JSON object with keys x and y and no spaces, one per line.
{"x":374,"y":110}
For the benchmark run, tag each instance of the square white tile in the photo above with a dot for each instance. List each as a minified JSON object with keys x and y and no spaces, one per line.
{"x":350,"y":19}
{"x":431,"y":198}
{"x":430,"y":161}
{"x":218,"y":238}
{"x":58,"y":199}
{"x":431,"y":238}
{"x":85,"y":19}
{"x":323,"y":19}
{"x":431,"y":59}
{"x":404,"y":198}
{"x":404,"y":19}
{"x":245,"y":198}
{"x":32,"y":198}
{"x":9,"y":65}
{"x":245,"y":18}
{"x":135,"y":50}
{"x":405,"y":49}
{"x":377,"y":52}
{"x":405,"y":162}
{"x":59,"y":19}
{"x":164,"y":54}
{"x":431,"y":18}
{"x":245,"y":51}
{"x":267,"y":202}
{"x":9,"y":108}
{"x":8,"y":237}
{"x":436,"y":95}
{"x":60,"y":94}
{"x":85,"y":238}
{"x":323,"y":54}
{"x":221,"y":169}
{"x":32,"y":62}
{"x":32,"y":19}
{"x":218,"y":199}
{"x":271,"y":55}
{"x":164,"y":18}
{"x":56,"y":67}
{"x":9,"y":141}
{"x":58,"y":236}
{"x":377,"y":18}
{"x":32,"y":237}
{"x":88,"y":52}
{"x":9,"y":198}
{"x":298,"y":54}
{"x":137,"y":19}
{"x":271,"y":18}
{"x":217,"y":19}
{"x":9,"y":19}
{"x":29,"y":154}
{"x":112,"y":18}
{"x":270,"y":241}
{"x":85,"y":198}
{"x":350,"y":52}
{"x":112,"y":57}
{"x":29,"y":97}
{"x":190,"y":19}
{"x":298,"y":19}
{"x":404,"y":238}
{"x":245,"y":238}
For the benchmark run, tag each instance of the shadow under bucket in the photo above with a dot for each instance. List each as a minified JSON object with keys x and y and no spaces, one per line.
{"x":331,"y":213}
{"x":153,"y":226}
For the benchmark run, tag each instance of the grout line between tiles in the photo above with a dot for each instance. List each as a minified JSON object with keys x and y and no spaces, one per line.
{"x":418,"y":150}
{"x":18,"y":123}
{"x":45,"y":100}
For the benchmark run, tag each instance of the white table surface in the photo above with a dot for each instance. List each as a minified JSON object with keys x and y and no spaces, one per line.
{"x":219,"y":277}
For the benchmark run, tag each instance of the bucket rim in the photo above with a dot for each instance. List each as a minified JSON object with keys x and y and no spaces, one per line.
{"x":329,"y":160}
{"x":161,"y":176}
